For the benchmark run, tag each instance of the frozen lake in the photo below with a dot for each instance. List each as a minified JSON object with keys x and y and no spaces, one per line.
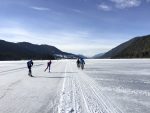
{"x":105,"y":86}
{"x":125,"y":82}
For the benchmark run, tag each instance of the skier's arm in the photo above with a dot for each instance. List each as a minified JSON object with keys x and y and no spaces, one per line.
{"x":32,"y":63}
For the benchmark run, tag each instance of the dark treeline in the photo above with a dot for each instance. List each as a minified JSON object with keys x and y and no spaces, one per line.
{"x":25,"y":50}
{"x":138,"y":47}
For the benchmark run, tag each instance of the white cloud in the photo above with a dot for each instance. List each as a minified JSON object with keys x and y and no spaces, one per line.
{"x":40,"y":8}
{"x":126,"y":3}
{"x":104,"y":7}
{"x":18,"y":35}
{"x":79,"y":42}
{"x":121,"y":4}
{"x":15,"y":31}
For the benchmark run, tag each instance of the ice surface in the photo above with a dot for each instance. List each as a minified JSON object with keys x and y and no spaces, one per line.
{"x":20,"y":93}
{"x":105,"y":86}
{"x":126,"y":82}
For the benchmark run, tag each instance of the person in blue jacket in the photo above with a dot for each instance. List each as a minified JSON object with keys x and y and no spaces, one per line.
{"x":29,"y":65}
{"x":82,"y":62}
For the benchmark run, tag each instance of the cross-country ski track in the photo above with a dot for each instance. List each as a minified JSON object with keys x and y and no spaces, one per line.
{"x":66,"y":89}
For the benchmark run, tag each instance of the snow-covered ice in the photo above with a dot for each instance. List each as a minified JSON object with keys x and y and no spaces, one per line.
{"x":104,"y":86}
{"x":126,"y":83}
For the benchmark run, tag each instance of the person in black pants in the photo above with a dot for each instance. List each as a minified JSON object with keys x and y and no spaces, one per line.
{"x":49,"y":65}
{"x":82,"y":63}
{"x":78,"y":63}
{"x":29,"y":65}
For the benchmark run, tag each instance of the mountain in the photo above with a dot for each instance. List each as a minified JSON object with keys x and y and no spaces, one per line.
{"x":82,"y":56}
{"x":98,"y":55}
{"x":138,"y":47}
{"x":25,"y":50}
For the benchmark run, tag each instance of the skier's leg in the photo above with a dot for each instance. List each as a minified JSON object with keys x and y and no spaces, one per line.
{"x":49,"y":68}
{"x":78,"y":65}
{"x":82,"y":66}
{"x":31,"y":72}
{"x":46,"y":68}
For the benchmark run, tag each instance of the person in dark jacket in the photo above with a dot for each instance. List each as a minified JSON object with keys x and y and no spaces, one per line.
{"x":82,"y":63}
{"x":29,"y":65}
{"x":49,"y":65}
{"x":78,"y":63}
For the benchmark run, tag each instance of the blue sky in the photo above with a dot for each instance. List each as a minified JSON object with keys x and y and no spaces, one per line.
{"x":83,"y":27}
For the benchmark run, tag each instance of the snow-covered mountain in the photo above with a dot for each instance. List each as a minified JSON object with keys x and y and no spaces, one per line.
{"x":25,"y":50}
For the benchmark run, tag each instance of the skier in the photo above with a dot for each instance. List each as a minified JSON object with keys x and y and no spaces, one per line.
{"x":48,"y":65}
{"x":82,"y":63}
{"x":78,"y":63}
{"x":29,"y":65}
